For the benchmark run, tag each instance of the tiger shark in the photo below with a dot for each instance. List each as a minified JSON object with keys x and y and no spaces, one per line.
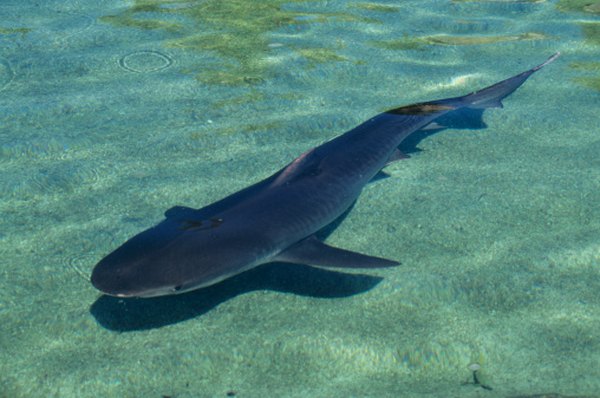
{"x":277,"y":219}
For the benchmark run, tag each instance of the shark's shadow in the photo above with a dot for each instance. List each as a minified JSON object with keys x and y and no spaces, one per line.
{"x":138,"y":314}
{"x":461,"y":119}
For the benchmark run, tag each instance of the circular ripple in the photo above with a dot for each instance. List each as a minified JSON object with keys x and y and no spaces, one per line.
{"x":6,"y":74}
{"x":145,"y":61}
{"x":64,"y":29}
{"x":81,"y":264}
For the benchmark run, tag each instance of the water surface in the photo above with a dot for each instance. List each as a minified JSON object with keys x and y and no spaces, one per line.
{"x":110,"y":114}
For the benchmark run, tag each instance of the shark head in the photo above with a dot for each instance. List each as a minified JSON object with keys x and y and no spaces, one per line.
{"x":175,"y":256}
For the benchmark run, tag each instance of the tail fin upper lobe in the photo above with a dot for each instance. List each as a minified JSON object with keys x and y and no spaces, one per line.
{"x":492,"y":96}
{"x":462,"y":112}
{"x":489,"y":97}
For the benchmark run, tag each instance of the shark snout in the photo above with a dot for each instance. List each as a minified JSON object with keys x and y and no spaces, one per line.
{"x":117,"y":280}
{"x":109,"y":282}
{"x":127,"y":281}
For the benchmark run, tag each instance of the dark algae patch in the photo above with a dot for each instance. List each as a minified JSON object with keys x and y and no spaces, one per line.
{"x":405,"y":43}
{"x":419,"y":43}
{"x":498,"y":1}
{"x":586,"y":66}
{"x":591,"y":6}
{"x":551,"y":395}
{"x":12,"y":31}
{"x":316,"y":56}
{"x":447,"y":40}
{"x":591,"y":32}
{"x":377,"y":7}
{"x":236,"y":31}
{"x":591,"y":79}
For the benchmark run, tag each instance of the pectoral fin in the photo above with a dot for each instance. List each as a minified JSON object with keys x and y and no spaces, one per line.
{"x":312,"y":251}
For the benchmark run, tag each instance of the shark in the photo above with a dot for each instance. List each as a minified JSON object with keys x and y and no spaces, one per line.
{"x":278,"y":219}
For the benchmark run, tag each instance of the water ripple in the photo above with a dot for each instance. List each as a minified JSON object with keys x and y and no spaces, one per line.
{"x":146,"y":61}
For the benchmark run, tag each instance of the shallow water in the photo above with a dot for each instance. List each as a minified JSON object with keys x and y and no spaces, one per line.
{"x":111,"y":114}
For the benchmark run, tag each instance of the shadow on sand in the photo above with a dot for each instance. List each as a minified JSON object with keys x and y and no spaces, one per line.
{"x":139,"y":314}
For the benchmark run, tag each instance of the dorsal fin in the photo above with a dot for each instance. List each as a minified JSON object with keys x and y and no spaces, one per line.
{"x":397,"y":155}
{"x":306,"y":164}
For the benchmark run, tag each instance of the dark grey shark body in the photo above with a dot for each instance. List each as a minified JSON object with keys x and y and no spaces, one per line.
{"x":276,"y":219}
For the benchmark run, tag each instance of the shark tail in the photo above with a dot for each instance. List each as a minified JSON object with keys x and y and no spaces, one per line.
{"x":492,"y":96}
{"x":467,"y":111}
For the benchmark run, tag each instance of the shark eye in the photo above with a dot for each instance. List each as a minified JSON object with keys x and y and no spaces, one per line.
{"x":177,"y":288}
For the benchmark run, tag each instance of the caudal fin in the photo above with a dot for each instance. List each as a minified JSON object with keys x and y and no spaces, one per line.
{"x":489,"y":97}
{"x":466,"y":111}
{"x":492,"y":96}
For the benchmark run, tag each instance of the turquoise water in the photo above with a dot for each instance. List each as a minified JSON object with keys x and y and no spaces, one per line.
{"x":110,"y":114}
